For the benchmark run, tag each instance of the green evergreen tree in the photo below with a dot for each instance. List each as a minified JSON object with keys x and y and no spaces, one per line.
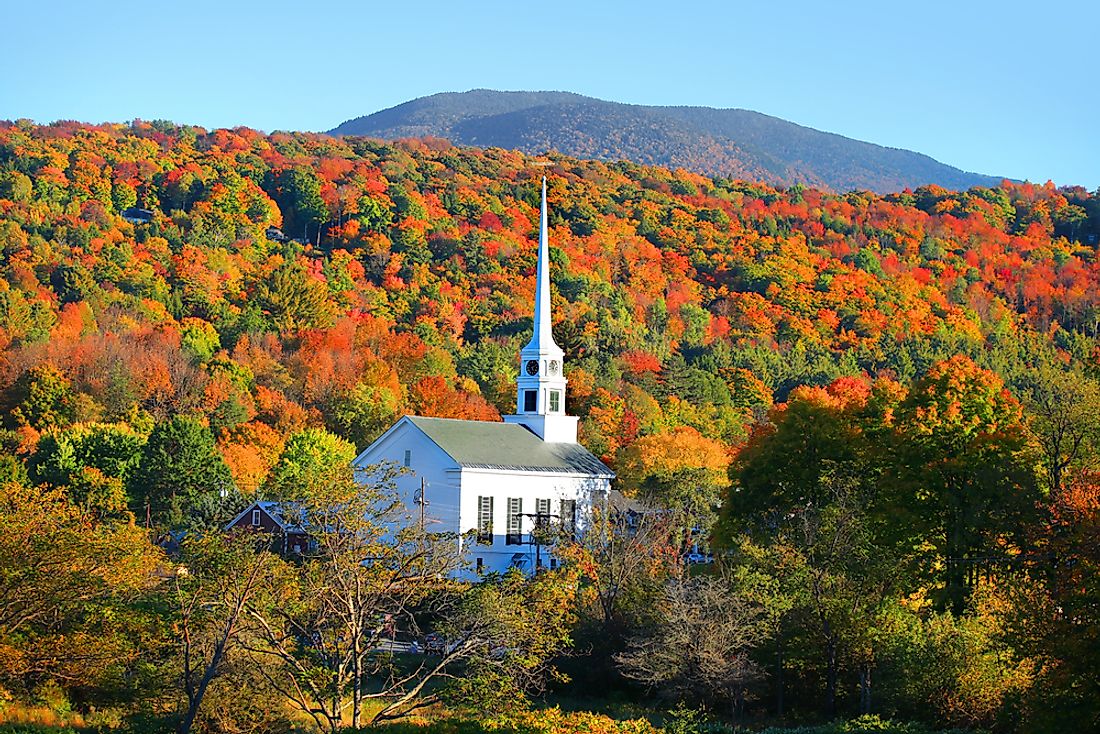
{"x":180,"y":470}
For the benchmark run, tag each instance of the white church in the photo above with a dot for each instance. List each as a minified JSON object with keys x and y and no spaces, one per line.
{"x":503,"y":481}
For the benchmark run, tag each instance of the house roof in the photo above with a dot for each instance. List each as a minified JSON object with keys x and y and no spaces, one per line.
{"x":508,"y":447}
{"x":288,"y":516}
{"x":134,"y":212}
{"x":619,"y":502}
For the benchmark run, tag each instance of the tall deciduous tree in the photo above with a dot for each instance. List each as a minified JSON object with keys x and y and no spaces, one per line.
{"x":93,"y":461}
{"x":43,"y":398}
{"x":298,"y":194}
{"x":508,"y":632}
{"x":965,"y":467}
{"x":218,"y":576}
{"x":624,"y":560}
{"x":310,"y":460}
{"x":680,"y":470}
{"x":781,"y":467}
{"x":68,"y":580}
{"x":1064,"y":418}
{"x":293,"y":299}
{"x":1057,"y":612}
{"x":370,"y":568}
{"x":702,"y":647}
{"x":374,"y":572}
{"x":824,"y":574}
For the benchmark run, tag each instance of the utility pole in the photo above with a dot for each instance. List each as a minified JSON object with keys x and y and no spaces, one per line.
{"x":542,"y":521}
{"x":422,"y":500}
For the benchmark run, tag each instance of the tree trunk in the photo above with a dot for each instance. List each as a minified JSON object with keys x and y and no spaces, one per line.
{"x":207,"y":676}
{"x":357,"y":687}
{"x":865,"y":689}
{"x":779,"y":674}
{"x":956,"y":570}
{"x":831,"y":673}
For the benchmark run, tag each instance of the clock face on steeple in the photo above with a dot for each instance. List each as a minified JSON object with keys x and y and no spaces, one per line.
{"x":532,"y":367}
{"x":552,"y":367}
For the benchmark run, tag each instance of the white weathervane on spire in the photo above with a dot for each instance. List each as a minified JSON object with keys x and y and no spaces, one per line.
{"x":540,"y":387}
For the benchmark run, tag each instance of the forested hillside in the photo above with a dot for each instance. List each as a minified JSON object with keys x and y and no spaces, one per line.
{"x":715,"y":142}
{"x":681,"y":300}
{"x":884,"y":406}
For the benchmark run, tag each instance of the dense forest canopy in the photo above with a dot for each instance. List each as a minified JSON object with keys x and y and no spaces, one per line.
{"x":681,"y":301}
{"x":879,"y":410}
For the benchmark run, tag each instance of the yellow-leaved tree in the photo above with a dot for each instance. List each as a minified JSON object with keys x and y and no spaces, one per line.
{"x":681,"y":470}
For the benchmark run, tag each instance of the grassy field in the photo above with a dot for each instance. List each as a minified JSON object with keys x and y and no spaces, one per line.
{"x":566,"y":716}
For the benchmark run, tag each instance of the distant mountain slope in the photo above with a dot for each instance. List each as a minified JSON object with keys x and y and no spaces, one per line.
{"x":733,"y":143}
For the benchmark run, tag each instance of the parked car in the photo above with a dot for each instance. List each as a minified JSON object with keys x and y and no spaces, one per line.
{"x":437,"y":644}
{"x":697,"y":557}
{"x":434,"y":644}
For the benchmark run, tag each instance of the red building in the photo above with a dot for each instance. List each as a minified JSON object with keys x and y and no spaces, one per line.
{"x":284,"y":521}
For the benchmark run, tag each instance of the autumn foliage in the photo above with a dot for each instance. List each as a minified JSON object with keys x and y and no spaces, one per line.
{"x":403,"y":284}
{"x":192,"y":318}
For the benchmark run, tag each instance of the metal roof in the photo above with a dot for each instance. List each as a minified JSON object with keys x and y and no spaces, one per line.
{"x":507,"y":447}
{"x":621,"y":503}
{"x":281,"y":512}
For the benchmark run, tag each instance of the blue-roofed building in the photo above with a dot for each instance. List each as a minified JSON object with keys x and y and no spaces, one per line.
{"x":134,"y":215}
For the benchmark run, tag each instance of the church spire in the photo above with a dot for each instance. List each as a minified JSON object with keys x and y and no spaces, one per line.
{"x":543,"y":336}
{"x":540,"y":387}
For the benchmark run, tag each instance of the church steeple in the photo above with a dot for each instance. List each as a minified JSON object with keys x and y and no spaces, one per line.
{"x":540,"y":387}
{"x":543,"y":335}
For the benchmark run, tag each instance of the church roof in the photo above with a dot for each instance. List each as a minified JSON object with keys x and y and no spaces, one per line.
{"x":507,"y":446}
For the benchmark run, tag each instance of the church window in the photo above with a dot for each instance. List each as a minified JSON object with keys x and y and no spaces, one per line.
{"x":485,"y":520}
{"x":255,"y":517}
{"x":515,"y":522}
{"x":568,"y":517}
{"x":530,"y":400}
{"x":480,"y":565}
{"x":555,"y":401}
{"x":408,"y":457}
{"x":542,"y":513}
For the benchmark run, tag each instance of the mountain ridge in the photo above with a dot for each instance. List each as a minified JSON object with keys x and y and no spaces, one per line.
{"x":730,"y":142}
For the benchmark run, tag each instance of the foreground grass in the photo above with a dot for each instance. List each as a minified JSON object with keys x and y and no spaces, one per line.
{"x":556,"y":721}
{"x":610,"y":719}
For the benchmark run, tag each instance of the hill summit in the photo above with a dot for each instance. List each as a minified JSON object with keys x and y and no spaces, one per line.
{"x":731,"y":143}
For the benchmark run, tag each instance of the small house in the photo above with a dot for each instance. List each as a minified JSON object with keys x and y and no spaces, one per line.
{"x":284,"y":521}
{"x":133,"y":215}
{"x":630,"y":511}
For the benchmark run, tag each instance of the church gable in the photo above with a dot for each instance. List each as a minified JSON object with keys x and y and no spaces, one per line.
{"x":404,"y":444}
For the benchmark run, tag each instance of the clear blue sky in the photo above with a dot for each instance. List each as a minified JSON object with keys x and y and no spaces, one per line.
{"x":1005,"y":88}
